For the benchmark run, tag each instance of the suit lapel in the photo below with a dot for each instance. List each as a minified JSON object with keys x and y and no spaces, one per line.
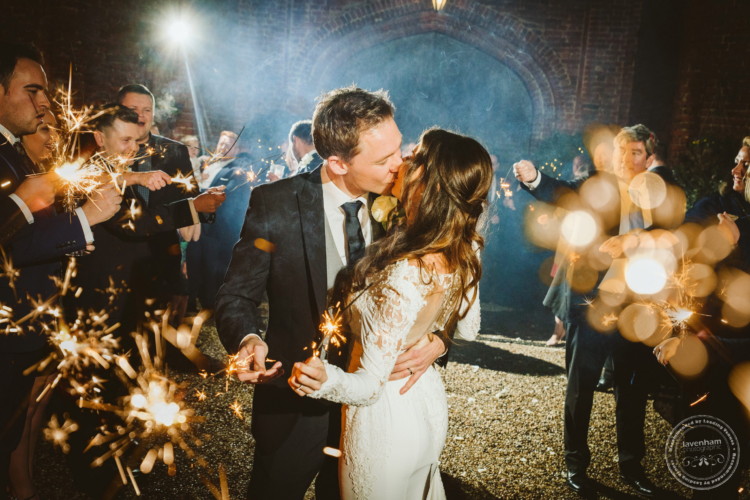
{"x":312,"y":221}
{"x":13,"y":162}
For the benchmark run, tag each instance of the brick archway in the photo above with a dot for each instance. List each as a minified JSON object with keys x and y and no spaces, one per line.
{"x":503,"y":37}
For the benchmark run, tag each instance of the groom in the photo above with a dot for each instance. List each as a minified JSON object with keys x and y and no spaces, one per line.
{"x":298,"y":233}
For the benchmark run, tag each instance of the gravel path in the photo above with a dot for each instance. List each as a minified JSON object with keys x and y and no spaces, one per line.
{"x":504,"y":440}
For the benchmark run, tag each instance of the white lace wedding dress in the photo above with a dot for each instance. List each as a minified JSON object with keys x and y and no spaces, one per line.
{"x":391,"y":443}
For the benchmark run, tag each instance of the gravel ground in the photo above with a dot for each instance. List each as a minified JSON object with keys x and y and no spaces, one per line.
{"x":504,"y":441}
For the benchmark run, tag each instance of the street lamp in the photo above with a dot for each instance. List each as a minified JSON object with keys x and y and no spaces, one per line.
{"x":439,"y":5}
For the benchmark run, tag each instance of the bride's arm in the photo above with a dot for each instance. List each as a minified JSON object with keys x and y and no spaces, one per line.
{"x":384,"y":330}
{"x":468,"y":327}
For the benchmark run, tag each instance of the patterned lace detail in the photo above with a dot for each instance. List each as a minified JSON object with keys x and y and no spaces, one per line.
{"x":384,"y":316}
{"x":468,"y":327}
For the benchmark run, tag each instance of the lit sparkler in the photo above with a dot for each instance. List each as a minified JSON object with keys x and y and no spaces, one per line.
{"x":186,"y":181}
{"x":331,"y":330}
{"x":59,"y":434}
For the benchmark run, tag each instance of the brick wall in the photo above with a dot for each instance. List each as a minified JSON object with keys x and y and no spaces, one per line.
{"x":577,"y":59}
{"x":714,"y":74}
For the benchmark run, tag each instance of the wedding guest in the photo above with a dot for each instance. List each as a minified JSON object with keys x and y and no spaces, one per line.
{"x":730,"y":198}
{"x":302,"y":147}
{"x":586,"y":348}
{"x":222,"y":155}
{"x":209,"y":255}
{"x":192,"y":144}
{"x":172,"y":206}
{"x":36,"y":248}
{"x":41,"y":146}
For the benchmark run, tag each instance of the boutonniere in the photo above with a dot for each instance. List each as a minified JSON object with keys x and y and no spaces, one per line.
{"x":386,"y":210}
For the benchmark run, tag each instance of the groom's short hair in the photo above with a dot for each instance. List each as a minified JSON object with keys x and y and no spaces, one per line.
{"x":342,"y":114}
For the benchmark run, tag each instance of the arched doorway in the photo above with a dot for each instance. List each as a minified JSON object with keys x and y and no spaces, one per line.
{"x":436,"y":80}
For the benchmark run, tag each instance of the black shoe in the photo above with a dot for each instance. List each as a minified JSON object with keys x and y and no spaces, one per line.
{"x":640,"y":483}
{"x":605,"y":383}
{"x":579,"y":483}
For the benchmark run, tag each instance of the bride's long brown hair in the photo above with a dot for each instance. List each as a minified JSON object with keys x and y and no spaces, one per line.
{"x":454,"y":184}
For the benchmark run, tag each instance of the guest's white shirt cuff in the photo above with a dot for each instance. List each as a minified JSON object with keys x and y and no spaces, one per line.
{"x":85,"y":226}
{"x":247,"y":337}
{"x":24,"y":209}
{"x":193,"y":211}
{"x":535,"y":183}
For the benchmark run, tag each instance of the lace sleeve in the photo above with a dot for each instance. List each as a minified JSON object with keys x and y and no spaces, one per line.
{"x":468,"y":327}
{"x":387,"y":316}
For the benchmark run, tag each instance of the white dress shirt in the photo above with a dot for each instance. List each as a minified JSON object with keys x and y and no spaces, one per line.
{"x":333,"y":198}
{"x":209,"y":172}
{"x":12,"y":139}
{"x":87,"y":233}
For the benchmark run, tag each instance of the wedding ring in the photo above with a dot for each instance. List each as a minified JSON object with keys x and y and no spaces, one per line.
{"x":410,"y":371}
{"x":298,"y":387}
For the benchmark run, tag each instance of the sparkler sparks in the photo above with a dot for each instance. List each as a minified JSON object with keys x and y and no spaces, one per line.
{"x":59,"y":434}
{"x":331,"y":330}
{"x":186,"y":181}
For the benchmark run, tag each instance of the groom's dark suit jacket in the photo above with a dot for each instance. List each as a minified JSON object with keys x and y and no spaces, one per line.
{"x":281,"y":252}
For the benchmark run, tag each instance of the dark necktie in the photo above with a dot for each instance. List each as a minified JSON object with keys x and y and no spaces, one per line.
{"x":27,"y":163}
{"x":142,"y":165}
{"x":355,"y":241}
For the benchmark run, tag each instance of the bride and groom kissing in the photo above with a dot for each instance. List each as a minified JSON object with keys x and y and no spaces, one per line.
{"x":410,"y":285}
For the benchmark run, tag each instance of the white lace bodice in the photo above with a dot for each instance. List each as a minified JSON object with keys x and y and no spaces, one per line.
{"x":405,"y":304}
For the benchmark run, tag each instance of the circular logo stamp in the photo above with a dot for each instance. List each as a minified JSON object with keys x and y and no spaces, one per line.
{"x":702,"y":452}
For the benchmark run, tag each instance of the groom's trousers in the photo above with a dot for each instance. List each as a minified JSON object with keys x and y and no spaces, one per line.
{"x":286,"y":471}
{"x":586,"y":352}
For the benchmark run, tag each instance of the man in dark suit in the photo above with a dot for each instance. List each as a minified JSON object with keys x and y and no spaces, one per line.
{"x":36,"y":248}
{"x":298,"y":233}
{"x":171,"y":205}
{"x":123,"y":253}
{"x":587,"y":348}
{"x":303,"y":149}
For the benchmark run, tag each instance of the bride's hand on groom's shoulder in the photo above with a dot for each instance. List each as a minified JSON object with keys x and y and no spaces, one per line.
{"x":417,"y":359}
{"x":308,"y":377}
{"x":253,"y":352}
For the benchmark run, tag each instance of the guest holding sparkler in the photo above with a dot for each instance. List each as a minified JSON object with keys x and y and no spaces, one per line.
{"x":587,"y":348}
{"x":172,"y":205}
{"x":37,"y":247}
{"x":298,"y":233}
{"x":209,"y":256}
{"x":40,"y":147}
{"x":123,"y":256}
{"x":421,"y":278}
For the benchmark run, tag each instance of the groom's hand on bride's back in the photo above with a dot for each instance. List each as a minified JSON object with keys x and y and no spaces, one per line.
{"x":417,"y":359}
{"x":253,"y":352}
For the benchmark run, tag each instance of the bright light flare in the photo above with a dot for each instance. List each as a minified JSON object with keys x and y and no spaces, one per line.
{"x":179,"y":31}
{"x":579,"y":228}
{"x":645,"y":275}
{"x":647,"y":190}
{"x":155,"y":405}
{"x":643,"y":323}
{"x":691,"y":357}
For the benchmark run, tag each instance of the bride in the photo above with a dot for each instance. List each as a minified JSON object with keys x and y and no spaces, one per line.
{"x":420,"y":279}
